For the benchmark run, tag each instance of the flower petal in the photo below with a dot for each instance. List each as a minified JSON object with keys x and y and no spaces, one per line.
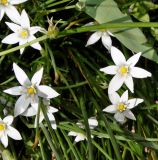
{"x":13,"y":133}
{"x":119,"y":117}
{"x":124,"y":97}
{"x":137,"y":72}
{"x":47,"y":92}
{"x":72,"y":133}
{"x":21,"y":75}
{"x":134,"y":59}
{"x":34,"y":45}
{"x":18,"y":90}
{"x":52,"y":109}
{"x":117,"y":56}
{"x":14,"y":27}
{"x":115,"y":84}
{"x":36,"y":79}
{"x":12,"y":13}
{"x":134,"y":102}
{"x":17,"y":1}
{"x":21,"y":105}
{"x":92,"y":122}
{"x":129,"y":114}
{"x":94,"y":38}
{"x":114,"y":98}
{"x":109,"y":70}
{"x":8,"y":120}
{"x":21,"y":42}
{"x":25,"y":22}
{"x":34,"y":29}
{"x":106,"y":40}
{"x":1,"y":14}
{"x":4,"y":140}
{"x":129,"y":83}
{"x":80,"y":137}
{"x":11,"y":39}
{"x":110,"y":109}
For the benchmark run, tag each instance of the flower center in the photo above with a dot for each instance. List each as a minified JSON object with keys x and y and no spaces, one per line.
{"x":123,"y":70}
{"x":24,"y":33}
{"x":31,"y":90}
{"x":2,"y":127}
{"x":4,"y":2}
{"x":121,"y":107}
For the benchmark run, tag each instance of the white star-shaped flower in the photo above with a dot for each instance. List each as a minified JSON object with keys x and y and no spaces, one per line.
{"x":50,"y":111}
{"x":103,"y":34}
{"x":23,"y":33}
{"x":29,"y":91}
{"x":7,"y":6}
{"x":80,"y":136}
{"x":7,"y":130}
{"x":121,"y":106}
{"x":124,"y":71}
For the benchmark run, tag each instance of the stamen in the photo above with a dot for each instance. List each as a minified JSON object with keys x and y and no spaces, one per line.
{"x":31,"y":90}
{"x":24,"y":33}
{"x":123,"y":70}
{"x":4,"y":2}
{"x":121,"y":107}
{"x":2,"y":126}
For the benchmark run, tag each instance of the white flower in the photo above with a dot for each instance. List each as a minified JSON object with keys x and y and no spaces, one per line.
{"x":23,"y":33}
{"x":80,"y":136}
{"x":121,"y":106}
{"x":50,"y":111}
{"x":6,"y":6}
{"x":7,"y":130}
{"x":124,"y":70}
{"x":103,"y":34}
{"x":29,"y":91}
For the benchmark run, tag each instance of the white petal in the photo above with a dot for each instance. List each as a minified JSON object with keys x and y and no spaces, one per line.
{"x":124,"y":97}
{"x":13,"y":13}
{"x":21,"y":75}
{"x":110,"y":109}
{"x":134,"y":59}
{"x":94,"y":38}
{"x":21,"y":43}
{"x":47,"y":92}
{"x":17,"y":1}
{"x":106,"y":40}
{"x":129,"y":114}
{"x":8,"y":120}
{"x":11,"y":39}
{"x":52,"y":109}
{"x":114,"y":98}
{"x":53,"y":124}
{"x":34,"y":45}
{"x":115,"y":84}
{"x":14,"y":27}
{"x":36,"y":79}
{"x":119,"y":117}
{"x":21,"y":105}
{"x":134,"y":102}
{"x":18,"y":90}
{"x":1,"y":14}
{"x":137,"y":72}
{"x":25,"y":22}
{"x":92,"y":122}
{"x":129,"y":83}
{"x":4,"y":140}
{"x":80,"y":137}
{"x":72,"y":133}
{"x":109,"y":70}
{"x":52,"y":120}
{"x":34,"y":30}
{"x":117,"y":56}
{"x":13,"y":133}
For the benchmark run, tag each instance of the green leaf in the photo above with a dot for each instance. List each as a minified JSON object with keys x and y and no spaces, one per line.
{"x":104,"y":11}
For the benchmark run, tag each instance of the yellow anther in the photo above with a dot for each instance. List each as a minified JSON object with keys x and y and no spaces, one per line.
{"x":2,"y":126}
{"x":4,"y":2}
{"x":31,"y":90}
{"x":123,"y":70}
{"x":121,"y":107}
{"x":24,"y":33}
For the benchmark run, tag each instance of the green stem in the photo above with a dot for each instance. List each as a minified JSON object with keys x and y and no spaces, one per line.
{"x":84,"y":112}
{"x":84,"y":29}
{"x":42,"y":149}
{"x":57,"y":3}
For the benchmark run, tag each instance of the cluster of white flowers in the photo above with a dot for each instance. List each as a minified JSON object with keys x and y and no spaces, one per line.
{"x":124,"y":72}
